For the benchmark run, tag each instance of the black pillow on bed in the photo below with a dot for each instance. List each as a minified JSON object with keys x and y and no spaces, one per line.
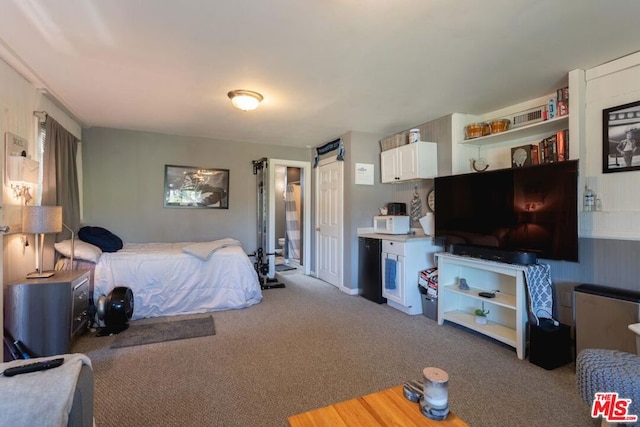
{"x":101,"y":237}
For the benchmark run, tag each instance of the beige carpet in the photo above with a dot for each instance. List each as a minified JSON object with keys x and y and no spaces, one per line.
{"x":310,"y":345}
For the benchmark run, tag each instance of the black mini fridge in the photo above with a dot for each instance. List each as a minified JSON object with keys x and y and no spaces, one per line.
{"x":370,"y":269}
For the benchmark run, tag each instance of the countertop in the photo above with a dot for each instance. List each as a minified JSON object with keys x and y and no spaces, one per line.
{"x":417,"y":234}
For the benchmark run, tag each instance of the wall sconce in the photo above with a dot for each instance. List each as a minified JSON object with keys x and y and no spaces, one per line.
{"x":245,"y":100}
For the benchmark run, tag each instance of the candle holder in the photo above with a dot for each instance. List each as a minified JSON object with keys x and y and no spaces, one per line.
{"x":434,"y":403}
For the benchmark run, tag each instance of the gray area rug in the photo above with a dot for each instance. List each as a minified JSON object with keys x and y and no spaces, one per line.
{"x":284,"y":267}
{"x":165,"y":331}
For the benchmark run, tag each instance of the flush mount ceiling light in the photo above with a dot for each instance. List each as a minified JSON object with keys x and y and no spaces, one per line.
{"x":245,"y":100}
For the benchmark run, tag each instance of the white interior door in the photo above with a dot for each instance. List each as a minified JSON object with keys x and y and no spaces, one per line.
{"x":2,"y":231}
{"x":329,"y":222}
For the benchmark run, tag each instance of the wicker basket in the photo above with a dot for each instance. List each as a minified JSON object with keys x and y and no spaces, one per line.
{"x":393,"y":141}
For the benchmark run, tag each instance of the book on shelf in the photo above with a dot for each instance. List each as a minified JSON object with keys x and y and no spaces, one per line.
{"x":562,"y":96}
{"x":535,"y":155}
{"x":562,"y":141}
{"x":554,"y":148}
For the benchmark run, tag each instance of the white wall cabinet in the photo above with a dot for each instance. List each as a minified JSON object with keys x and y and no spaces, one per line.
{"x":507,"y":318}
{"x":410,"y":257}
{"x":409,"y":162}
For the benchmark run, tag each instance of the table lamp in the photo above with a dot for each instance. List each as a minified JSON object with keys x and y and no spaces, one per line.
{"x":41,"y":220}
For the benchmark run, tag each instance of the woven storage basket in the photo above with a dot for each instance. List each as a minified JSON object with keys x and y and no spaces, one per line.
{"x":393,"y":141}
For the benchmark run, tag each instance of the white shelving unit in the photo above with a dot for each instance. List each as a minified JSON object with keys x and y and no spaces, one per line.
{"x":496,"y":148}
{"x":536,"y":129}
{"x":507,"y":318}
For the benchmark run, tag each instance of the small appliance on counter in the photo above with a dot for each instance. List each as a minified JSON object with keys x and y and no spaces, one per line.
{"x":391,"y":224}
{"x":396,"y":208}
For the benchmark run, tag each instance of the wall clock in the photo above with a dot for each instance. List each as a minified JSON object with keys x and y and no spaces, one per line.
{"x":431,"y":200}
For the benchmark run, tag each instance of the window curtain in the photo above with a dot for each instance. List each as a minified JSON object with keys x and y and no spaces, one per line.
{"x":60,"y":179}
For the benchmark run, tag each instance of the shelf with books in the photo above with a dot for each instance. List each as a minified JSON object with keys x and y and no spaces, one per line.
{"x":551,"y":149}
{"x":530,"y":124}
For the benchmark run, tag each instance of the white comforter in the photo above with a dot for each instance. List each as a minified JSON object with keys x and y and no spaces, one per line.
{"x":167,"y":281}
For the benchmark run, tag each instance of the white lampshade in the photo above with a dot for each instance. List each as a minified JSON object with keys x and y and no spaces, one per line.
{"x":41,"y":219}
{"x":245,"y":100}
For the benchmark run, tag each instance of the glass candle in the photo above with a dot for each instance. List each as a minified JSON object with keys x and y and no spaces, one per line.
{"x":435,"y":387}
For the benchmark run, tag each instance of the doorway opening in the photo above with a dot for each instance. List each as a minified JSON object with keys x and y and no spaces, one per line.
{"x":290,"y":215}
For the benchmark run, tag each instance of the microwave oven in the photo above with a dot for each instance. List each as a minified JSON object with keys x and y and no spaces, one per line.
{"x":391,"y":224}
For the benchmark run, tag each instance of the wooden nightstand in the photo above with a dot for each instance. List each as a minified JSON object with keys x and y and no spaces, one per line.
{"x":47,"y":314}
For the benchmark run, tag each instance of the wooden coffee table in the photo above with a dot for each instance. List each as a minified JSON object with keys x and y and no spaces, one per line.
{"x":384,"y":408}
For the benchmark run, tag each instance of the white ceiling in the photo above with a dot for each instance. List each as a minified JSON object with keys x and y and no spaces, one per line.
{"x":325,"y":67}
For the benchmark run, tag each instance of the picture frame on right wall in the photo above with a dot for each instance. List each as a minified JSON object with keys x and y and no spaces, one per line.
{"x":621,"y":138}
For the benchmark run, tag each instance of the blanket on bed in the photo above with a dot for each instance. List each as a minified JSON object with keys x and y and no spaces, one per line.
{"x":203,"y":250}
{"x":166,"y":280}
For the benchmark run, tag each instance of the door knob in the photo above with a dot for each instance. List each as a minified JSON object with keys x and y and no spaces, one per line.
{"x":4,"y":229}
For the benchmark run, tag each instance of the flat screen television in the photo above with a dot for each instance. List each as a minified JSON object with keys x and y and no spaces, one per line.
{"x":531,"y":209}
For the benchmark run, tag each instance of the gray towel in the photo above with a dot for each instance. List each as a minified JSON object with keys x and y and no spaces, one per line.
{"x":42,"y":398}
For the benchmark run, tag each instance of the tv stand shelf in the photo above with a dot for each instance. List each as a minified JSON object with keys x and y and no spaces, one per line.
{"x":507,"y":317}
{"x":501,"y":299}
{"x":494,"y":330}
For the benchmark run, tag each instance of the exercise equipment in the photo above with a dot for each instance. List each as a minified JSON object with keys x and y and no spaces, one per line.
{"x":261,"y":257}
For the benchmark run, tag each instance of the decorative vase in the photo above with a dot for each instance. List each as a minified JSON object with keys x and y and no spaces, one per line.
{"x":481,"y":320}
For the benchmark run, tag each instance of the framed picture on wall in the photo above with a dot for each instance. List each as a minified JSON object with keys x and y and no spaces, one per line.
{"x":195,"y":187}
{"x":621,"y":138}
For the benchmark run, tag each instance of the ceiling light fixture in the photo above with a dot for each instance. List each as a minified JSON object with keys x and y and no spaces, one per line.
{"x":245,"y":100}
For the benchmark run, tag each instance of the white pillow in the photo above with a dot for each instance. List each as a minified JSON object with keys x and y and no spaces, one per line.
{"x":81,"y":250}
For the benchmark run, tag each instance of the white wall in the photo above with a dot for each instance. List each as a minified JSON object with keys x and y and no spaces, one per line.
{"x":609,"y":85}
{"x":18,"y":100}
{"x":124,"y":185}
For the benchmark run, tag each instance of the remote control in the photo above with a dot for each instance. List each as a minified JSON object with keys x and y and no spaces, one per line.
{"x":33,"y":367}
{"x":487,"y":294}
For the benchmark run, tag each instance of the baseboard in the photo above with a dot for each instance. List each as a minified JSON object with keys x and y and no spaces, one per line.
{"x":350,"y":291}
{"x":412,"y":311}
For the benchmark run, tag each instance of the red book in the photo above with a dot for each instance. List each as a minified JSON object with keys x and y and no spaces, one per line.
{"x":561,"y":146}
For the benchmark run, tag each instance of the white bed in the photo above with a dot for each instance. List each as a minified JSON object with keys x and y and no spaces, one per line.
{"x":180,"y":278}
